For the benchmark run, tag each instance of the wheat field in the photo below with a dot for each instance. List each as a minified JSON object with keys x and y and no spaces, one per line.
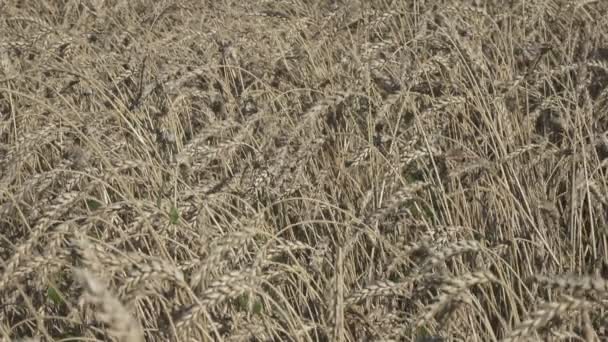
{"x":303,"y":170}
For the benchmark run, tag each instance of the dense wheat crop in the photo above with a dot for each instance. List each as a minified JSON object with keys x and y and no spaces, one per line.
{"x":303,"y":170}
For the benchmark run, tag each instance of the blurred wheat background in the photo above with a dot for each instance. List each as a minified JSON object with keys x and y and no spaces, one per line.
{"x":303,"y":170}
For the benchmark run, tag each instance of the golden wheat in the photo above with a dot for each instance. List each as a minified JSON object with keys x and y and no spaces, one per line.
{"x":303,"y":170}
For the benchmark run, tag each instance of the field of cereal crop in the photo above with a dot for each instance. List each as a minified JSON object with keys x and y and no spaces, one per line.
{"x":303,"y":170}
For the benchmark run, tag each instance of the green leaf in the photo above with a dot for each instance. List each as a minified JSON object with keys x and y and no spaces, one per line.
{"x":242,"y":302}
{"x":246,"y":303}
{"x":53,"y":295}
{"x":174,"y":215}
{"x":93,"y":204}
{"x":423,"y":333}
{"x":257,"y":307}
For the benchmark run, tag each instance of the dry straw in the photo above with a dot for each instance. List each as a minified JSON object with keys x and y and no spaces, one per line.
{"x":303,"y":170}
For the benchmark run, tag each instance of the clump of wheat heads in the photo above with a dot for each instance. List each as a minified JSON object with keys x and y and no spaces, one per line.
{"x":453,"y":291}
{"x":544,"y":315}
{"x":582,"y":288}
{"x":109,"y":309}
{"x":227,"y":286}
